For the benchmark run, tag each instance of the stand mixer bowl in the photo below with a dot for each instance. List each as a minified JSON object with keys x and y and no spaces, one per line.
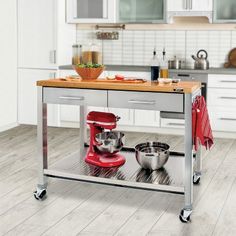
{"x":110,"y":142}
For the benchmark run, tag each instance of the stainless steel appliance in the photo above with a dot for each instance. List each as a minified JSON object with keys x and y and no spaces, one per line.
{"x":201,"y":77}
{"x":175,"y":64}
{"x":200,"y":61}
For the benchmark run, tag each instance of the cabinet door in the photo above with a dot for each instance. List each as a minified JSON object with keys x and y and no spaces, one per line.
{"x":177,"y":5}
{"x":137,"y":11}
{"x":37,"y":34}
{"x":91,"y":11}
{"x":224,"y":11}
{"x":27,"y":96}
{"x":200,"y":5}
{"x":126,"y":115}
{"x":147,"y":118}
{"x":8,"y":62}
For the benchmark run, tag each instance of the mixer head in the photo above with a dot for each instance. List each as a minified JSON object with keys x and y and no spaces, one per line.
{"x":105,"y":120}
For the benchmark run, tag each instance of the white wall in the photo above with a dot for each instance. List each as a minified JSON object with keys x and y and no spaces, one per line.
{"x":8,"y":64}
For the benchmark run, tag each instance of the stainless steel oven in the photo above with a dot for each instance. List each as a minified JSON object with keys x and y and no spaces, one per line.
{"x":201,"y":77}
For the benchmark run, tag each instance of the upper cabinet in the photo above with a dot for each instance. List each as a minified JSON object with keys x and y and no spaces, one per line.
{"x":189,"y":8}
{"x":37,"y":34}
{"x":139,"y":11}
{"x":224,"y":11}
{"x":91,"y":11}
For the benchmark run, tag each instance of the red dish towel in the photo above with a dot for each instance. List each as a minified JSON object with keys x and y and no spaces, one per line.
{"x":201,"y":128}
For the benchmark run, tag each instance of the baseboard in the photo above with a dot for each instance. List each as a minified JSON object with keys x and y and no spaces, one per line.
{"x":8,"y":126}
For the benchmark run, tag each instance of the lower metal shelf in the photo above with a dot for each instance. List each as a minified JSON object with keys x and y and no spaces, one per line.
{"x":169,"y":179}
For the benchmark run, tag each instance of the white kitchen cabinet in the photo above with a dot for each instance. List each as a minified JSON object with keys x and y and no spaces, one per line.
{"x":37,"y":43}
{"x":223,"y":118}
{"x":91,"y":11}
{"x":189,"y":8}
{"x":27,"y":96}
{"x":189,"y":5}
{"x":172,"y":123}
{"x":126,"y":115}
{"x":147,"y":118}
{"x":224,"y":11}
{"x":8,"y":62}
{"x":139,"y":11}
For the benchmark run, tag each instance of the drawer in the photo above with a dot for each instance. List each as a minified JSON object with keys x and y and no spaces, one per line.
{"x":221,"y":97}
{"x":222,"y":118}
{"x":85,"y":97}
{"x":172,"y":123}
{"x":146,"y":101}
{"x":221,"y":81}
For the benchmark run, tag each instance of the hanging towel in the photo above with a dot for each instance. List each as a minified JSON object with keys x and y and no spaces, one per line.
{"x":201,"y":128}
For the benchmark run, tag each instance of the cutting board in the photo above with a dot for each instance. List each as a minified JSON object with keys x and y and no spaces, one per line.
{"x":127,"y":80}
{"x":231,"y":59}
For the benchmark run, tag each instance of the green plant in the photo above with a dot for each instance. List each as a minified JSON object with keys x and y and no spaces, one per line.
{"x":90,"y":65}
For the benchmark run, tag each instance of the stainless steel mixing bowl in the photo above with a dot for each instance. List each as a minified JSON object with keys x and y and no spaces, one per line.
{"x":110,"y":142}
{"x":152,"y":155}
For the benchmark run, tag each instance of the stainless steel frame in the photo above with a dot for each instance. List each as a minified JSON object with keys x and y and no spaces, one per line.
{"x":44,"y":171}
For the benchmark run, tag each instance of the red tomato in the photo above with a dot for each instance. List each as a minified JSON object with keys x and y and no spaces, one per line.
{"x":120,"y":77}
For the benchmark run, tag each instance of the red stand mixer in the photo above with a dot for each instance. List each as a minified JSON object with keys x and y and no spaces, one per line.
{"x":104,"y":145}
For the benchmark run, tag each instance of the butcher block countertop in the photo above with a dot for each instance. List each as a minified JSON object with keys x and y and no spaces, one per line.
{"x":102,"y":84}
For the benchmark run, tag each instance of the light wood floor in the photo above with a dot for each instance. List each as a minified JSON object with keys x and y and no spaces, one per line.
{"x":74,"y":208}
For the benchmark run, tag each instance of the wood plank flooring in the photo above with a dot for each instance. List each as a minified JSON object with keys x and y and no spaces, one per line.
{"x":74,"y":208}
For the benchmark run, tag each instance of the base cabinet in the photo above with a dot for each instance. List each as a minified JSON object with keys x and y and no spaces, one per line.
{"x":147,"y":118}
{"x":27,"y":96}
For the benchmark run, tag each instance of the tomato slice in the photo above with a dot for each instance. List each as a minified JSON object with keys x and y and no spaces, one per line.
{"x":119,"y":77}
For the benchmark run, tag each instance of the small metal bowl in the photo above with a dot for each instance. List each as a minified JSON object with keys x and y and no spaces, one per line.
{"x":110,"y":142}
{"x":152,"y":155}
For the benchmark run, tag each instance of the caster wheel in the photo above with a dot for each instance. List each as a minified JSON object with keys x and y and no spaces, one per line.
{"x":40,"y":194}
{"x":196,"y":179}
{"x":185,"y":216}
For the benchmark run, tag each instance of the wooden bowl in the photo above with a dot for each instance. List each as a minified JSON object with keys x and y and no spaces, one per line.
{"x":89,"y":73}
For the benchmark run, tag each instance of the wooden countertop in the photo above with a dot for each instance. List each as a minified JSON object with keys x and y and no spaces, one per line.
{"x":186,"y":87}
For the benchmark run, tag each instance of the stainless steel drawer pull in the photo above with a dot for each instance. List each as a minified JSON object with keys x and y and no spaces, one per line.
{"x":175,"y":124}
{"x":228,"y":81}
{"x":142,"y":102}
{"x":228,"y":119}
{"x":227,"y":97}
{"x":73,"y":98}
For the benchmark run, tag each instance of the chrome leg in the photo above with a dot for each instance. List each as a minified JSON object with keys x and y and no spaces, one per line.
{"x":82,"y":129}
{"x":198,"y":170}
{"x":188,"y":183}
{"x":199,"y":160}
{"x":42,"y":141}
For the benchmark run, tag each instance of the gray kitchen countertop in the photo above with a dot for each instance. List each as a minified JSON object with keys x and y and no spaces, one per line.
{"x":230,"y":71}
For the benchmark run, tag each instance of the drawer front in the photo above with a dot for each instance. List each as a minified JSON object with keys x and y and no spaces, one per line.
{"x":221,"y":81}
{"x":172,"y":123}
{"x":222,"y":118}
{"x":221,"y":97}
{"x":75,"y":97}
{"x":146,"y":101}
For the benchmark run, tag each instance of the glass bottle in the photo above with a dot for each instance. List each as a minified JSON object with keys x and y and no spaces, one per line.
{"x":96,"y":54}
{"x":155,"y":66}
{"x":87,"y":54}
{"x":164,"y":73}
{"x":76,"y":54}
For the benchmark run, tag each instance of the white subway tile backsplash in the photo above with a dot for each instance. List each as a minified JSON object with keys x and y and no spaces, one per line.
{"x":135,"y":47}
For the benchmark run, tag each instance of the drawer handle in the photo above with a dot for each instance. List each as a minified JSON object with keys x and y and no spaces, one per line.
{"x":73,"y":98}
{"x":142,"y":102}
{"x":227,"y":97}
{"x":228,"y":81}
{"x":228,"y":119}
{"x":175,"y":124}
